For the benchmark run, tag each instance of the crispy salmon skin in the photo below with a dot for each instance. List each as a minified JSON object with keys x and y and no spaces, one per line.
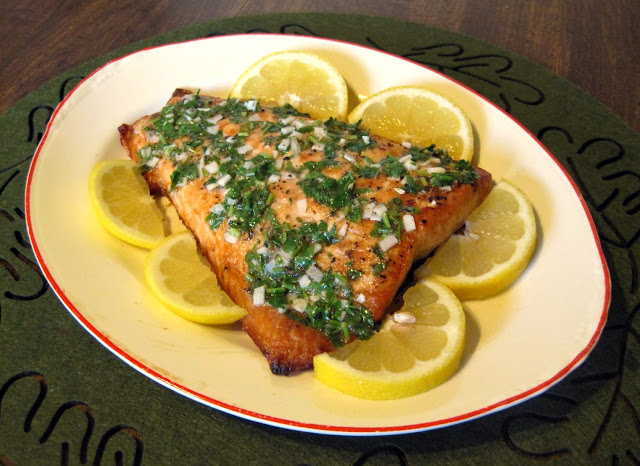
{"x":310,"y":225}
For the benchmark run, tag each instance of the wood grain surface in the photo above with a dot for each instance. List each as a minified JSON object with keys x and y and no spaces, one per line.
{"x":590,"y":43}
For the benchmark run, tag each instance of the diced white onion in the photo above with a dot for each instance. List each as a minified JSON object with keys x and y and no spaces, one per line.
{"x":285,"y":256}
{"x":349,"y":157}
{"x":289,"y":119}
{"x":230,"y":237}
{"x":404,"y":318}
{"x":213,"y":129}
{"x":262,"y":250}
{"x":224,"y":180}
{"x":217,"y":209}
{"x":255,"y":117}
{"x":406,"y":145}
{"x":214,"y":119}
{"x":181,"y":157}
{"x":343,"y":230}
{"x":432,"y":170}
{"x":446,"y":189}
{"x":367,"y":210}
{"x":302,"y":205}
{"x":287,"y":129}
{"x":244,"y":148}
{"x":388,"y":242}
{"x":299,"y":304}
{"x":152,"y":162}
{"x":366,"y":139}
{"x":295,"y":146}
{"x":408,"y":222}
{"x":279,"y":164}
{"x":320,"y":132}
{"x":399,"y":190}
{"x":251,"y":105}
{"x":304,"y":281}
{"x":212,"y":167}
{"x":318,"y":147}
{"x":273,"y":178}
{"x":314,"y":273}
{"x":284,"y":145}
{"x":360,"y":298}
{"x":259,"y":296}
{"x":405,"y":158}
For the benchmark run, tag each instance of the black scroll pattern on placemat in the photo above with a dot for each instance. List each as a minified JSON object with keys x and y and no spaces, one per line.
{"x":119,"y":435}
{"x":451,"y":59}
{"x":601,"y":155}
{"x":17,"y":261}
{"x":491,"y":72}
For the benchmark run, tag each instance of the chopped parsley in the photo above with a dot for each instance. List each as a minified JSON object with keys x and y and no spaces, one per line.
{"x":284,"y":258}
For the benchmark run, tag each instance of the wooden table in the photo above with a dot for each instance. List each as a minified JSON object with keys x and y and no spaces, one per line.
{"x":590,"y":46}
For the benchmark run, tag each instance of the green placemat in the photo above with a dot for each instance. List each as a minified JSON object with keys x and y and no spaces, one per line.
{"x":65,"y":399}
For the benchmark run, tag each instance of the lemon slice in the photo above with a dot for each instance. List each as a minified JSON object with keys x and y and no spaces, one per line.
{"x":416,"y":349}
{"x":306,"y":81}
{"x":122,"y":202}
{"x":418,"y":116}
{"x":183,"y":281}
{"x":496,"y":246}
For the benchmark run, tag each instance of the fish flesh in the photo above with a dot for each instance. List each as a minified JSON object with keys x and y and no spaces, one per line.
{"x":310,"y":225}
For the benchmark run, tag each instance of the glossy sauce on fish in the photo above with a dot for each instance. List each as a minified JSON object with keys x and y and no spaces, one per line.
{"x":310,"y":225}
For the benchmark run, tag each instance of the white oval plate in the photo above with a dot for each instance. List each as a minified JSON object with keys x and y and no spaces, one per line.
{"x":519,"y":343}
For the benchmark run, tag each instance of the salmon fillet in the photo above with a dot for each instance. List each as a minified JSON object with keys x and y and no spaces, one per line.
{"x":311,"y":226}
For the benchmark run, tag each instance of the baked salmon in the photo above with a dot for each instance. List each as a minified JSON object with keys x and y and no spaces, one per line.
{"x":310,"y":225}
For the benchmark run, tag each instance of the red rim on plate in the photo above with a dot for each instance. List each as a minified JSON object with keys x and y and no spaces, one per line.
{"x":77,"y":311}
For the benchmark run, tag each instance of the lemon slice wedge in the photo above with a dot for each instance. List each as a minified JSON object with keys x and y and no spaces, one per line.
{"x":418,"y":116}
{"x":184,"y":282}
{"x":496,"y":246}
{"x":121,"y":200}
{"x":305,"y":80}
{"x":416,"y":349}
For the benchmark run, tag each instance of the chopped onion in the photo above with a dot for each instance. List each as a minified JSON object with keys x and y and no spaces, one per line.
{"x":304,"y":281}
{"x":251,"y":105}
{"x":404,"y":318}
{"x":360,"y":298}
{"x":299,"y":304}
{"x":273,"y":178}
{"x":217,"y":209}
{"x":212,"y":167}
{"x":406,"y":145}
{"x":244,"y":148}
{"x":259,"y":296}
{"x":388,"y":242}
{"x":287,"y":129}
{"x":213,"y":129}
{"x":343,"y":230}
{"x":399,"y":190}
{"x":230,"y":236}
{"x":295,"y":146}
{"x":436,"y":170}
{"x":224,"y":180}
{"x":152,"y":162}
{"x":367,"y":210}
{"x":302,"y":205}
{"x":408,"y":222}
{"x":320,"y":132}
{"x":284,"y":145}
{"x":314,"y":273}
